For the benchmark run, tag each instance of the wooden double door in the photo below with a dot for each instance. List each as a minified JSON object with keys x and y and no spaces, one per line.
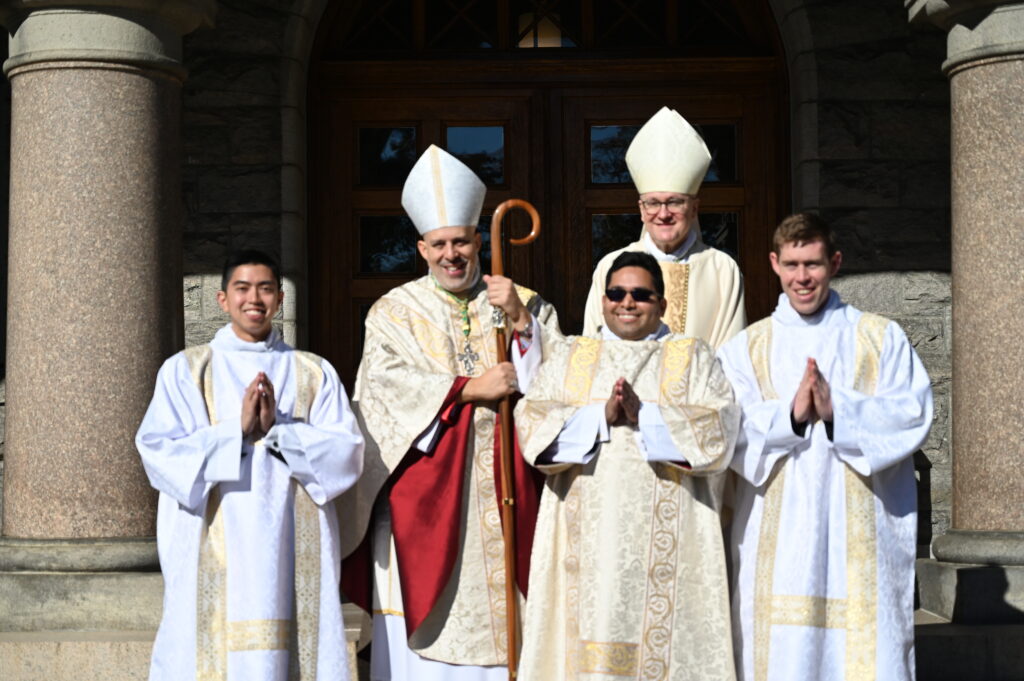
{"x":552,"y":133}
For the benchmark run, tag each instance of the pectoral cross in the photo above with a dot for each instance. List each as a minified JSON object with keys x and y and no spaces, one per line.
{"x":468,"y":359}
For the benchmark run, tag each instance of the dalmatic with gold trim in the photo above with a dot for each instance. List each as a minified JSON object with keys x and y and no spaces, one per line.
{"x":824,"y":530}
{"x":414,"y":363}
{"x":247,"y":532}
{"x":628,"y":576}
{"x":703,"y":287}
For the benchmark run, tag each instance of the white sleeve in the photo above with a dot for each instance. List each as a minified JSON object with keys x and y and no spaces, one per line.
{"x":184,"y":456}
{"x":873,"y":432}
{"x":579,"y":439}
{"x":326,"y":454}
{"x":766,"y":431}
{"x":527,"y":364}
{"x":654,"y":435}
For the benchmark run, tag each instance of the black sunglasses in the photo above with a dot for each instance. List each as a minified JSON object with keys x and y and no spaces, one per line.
{"x":617,"y":294}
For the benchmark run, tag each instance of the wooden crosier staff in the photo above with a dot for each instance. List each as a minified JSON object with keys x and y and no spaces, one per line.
{"x":508,"y":516}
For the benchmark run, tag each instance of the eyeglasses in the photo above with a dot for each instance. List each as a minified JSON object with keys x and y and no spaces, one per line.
{"x":617,"y":294}
{"x":653,"y":206}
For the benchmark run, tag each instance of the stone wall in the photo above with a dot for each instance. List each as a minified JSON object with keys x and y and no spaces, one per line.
{"x":232,"y":140}
{"x":870,"y":130}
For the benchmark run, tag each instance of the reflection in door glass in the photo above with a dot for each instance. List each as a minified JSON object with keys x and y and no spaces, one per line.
{"x":609,"y":143}
{"x":482,"y":148}
{"x":386,"y":155}
{"x":722,"y":231}
{"x":387,"y":244}
{"x":609,"y":232}
{"x":485,"y":249}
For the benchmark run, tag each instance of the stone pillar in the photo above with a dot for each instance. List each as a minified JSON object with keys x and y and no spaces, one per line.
{"x":94,"y":257}
{"x":979,"y":575}
{"x":94,"y":307}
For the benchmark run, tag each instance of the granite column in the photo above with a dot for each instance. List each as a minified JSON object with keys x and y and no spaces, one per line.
{"x":94,"y":307}
{"x":978,"y":577}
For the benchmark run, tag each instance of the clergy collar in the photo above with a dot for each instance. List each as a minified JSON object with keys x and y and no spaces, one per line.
{"x":474,"y":289}
{"x":678,"y":255}
{"x":785,"y":314}
{"x":663,"y":330}
{"x":227,"y":340}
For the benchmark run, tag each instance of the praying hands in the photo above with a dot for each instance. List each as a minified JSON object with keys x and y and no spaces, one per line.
{"x":259,"y":408}
{"x":623,"y":405}
{"x":813,"y":398}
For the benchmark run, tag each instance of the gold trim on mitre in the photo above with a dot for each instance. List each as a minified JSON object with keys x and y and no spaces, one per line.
{"x":668,"y":155}
{"x":441,"y":191}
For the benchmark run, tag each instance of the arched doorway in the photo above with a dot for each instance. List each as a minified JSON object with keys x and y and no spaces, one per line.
{"x":541,"y":97}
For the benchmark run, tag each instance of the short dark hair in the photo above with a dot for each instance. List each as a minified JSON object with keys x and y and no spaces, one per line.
{"x":248,"y":256}
{"x":642,"y":260}
{"x":804,"y":228}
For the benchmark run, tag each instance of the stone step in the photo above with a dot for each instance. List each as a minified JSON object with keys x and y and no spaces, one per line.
{"x":957,"y":652}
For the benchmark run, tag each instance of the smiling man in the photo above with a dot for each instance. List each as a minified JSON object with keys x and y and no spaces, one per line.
{"x":248,"y":442}
{"x":427,"y":391}
{"x":667,"y":161}
{"x":634,"y":431}
{"x":835,"y":402}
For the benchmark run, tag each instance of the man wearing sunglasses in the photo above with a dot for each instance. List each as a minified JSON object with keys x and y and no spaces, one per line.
{"x":667,"y":161}
{"x":835,"y":403}
{"x":634,"y":431}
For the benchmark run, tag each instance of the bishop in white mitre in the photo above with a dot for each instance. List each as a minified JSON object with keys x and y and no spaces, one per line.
{"x":634,"y":430}
{"x":248,"y":442}
{"x":667,"y":161}
{"x":427,"y":391}
{"x":835,"y":402}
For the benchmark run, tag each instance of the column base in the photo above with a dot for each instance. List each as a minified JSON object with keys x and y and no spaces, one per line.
{"x":89,"y":609}
{"x":976,"y":578}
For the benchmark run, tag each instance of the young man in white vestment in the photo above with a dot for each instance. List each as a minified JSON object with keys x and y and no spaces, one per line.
{"x":248,"y":441}
{"x":667,"y":161}
{"x":634,"y":430}
{"x":835,"y":402}
{"x":426,"y":392}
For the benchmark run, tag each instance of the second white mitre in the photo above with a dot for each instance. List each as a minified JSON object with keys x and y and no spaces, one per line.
{"x":441,"y":191}
{"x":668,"y":155}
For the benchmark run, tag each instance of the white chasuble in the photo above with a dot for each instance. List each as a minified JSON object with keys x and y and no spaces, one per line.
{"x":824,"y":529}
{"x":417,"y":345}
{"x":247,"y":533}
{"x":703,"y":287}
{"x":628,"y":576}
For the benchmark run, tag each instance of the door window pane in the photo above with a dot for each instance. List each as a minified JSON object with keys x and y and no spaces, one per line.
{"x":485,"y":248}
{"x":547,"y":23}
{"x":386,"y":155}
{"x":722,"y":231}
{"x":387,"y":244}
{"x":608,"y":145}
{"x":610,"y":232}
{"x":461,"y":24}
{"x":721,"y":141}
{"x":482,"y":148}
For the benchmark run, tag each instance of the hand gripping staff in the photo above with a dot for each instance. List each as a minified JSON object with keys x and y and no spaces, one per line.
{"x":508,"y":516}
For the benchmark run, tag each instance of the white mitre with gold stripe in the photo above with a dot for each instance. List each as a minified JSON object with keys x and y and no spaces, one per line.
{"x":442,"y":192}
{"x":667,"y":155}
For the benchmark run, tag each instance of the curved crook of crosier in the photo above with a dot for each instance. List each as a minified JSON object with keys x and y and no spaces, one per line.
{"x":497,"y":266}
